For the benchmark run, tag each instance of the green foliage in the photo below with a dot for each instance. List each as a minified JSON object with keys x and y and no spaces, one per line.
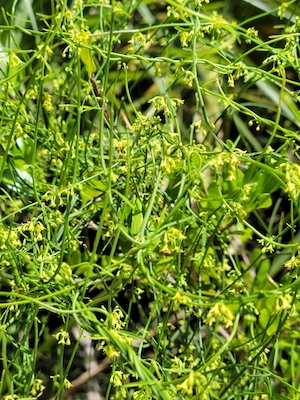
{"x":149,"y":167}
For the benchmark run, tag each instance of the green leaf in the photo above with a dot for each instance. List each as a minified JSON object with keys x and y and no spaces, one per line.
{"x":137,"y":218}
{"x":274,"y":325}
{"x":93,"y":188}
{"x":86,"y":57}
{"x":265,"y":201}
{"x":195,"y":160}
{"x":264,"y":318}
{"x":214,"y":200}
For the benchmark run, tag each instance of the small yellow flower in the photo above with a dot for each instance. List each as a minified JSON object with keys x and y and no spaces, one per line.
{"x":186,"y":38}
{"x":56,"y":381}
{"x":14,"y":60}
{"x":37,"y":388}
{"x":62,"y":337}
{"x":172,"y":12}
{"x":117,"y":378}
{"x":111,"y":352}
{"x":292,"y":263}
{"x":138,"y":42}
{"x":117,"y":316}
{"x":220,"y":312}
{"x":178,"y":363}
{"x":185,"y":387}
{"x":168,"y":165}
{"x":251,"y":33}
{"x":285,"y":302}
{"x":47,"y":104}
{"x":67,"y":384}
{"x":160,"y":104}
{"x":268,"y":247}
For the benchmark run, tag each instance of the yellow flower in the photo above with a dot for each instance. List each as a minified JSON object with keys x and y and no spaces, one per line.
{"x":37,"y":388}
{"x":219,"y":312}
{"x":292,"y":263}
{"x":117,"y":378}
{"x":62,"y":337}
{"x":111,"y":352}
{"x":67,"y":384}
{"x":168,"y":165}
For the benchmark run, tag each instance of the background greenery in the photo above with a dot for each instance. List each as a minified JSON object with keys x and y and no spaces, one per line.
{"x":149,"y":199}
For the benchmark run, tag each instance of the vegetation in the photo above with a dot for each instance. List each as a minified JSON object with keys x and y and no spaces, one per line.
{"x":149,"y":167}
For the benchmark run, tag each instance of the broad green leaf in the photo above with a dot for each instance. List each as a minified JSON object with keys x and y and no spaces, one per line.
{"x":86,"y":56}
{"x":137,"y":218}
{"x":91,"y":189}
{"x":195,"y":160}
{"x":274,"y":325}
{"x":264,"y":318}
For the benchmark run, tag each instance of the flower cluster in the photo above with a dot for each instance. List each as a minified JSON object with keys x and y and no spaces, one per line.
{"x":293,"y":264}
{"x":62,"y":337}
{"x":57,"y":381}
{"x":172,"y":240}
{"x":37,"y":388}
{"x":198,"y":384}
{"x":139,"y":43}
{"x":167,"y":106}
{"x":220,"y":312}
{"x":268,"y":244}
